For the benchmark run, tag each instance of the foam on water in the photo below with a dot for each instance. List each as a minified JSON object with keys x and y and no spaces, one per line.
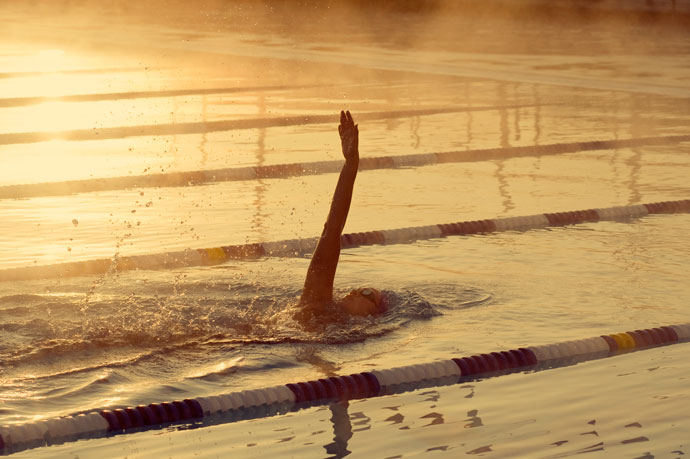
{"x":67,"y":346}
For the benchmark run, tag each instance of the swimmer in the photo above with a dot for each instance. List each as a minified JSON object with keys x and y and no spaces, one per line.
{"x":317,"y":296}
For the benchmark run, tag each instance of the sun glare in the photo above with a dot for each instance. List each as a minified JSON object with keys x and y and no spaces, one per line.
{"x":51,"y":52}
{"x":50,"y":60}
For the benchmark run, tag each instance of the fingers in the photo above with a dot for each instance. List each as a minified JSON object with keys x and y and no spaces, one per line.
{"x":347,"y":125}
{"x":346,"y":118}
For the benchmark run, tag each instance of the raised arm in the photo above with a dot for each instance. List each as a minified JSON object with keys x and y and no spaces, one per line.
{"x":318,"y":286}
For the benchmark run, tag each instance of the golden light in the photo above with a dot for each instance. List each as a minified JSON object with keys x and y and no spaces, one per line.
{"x":49,"y":60}
{"x":51,"y":52}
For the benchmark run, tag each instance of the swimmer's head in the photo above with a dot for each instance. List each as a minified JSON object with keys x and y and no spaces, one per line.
{"x":364,"y":302}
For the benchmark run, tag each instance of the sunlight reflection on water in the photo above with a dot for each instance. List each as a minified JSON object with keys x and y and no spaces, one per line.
{"x":127,"y":338}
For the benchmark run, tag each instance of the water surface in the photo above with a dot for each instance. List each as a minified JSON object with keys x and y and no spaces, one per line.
{"x":71,"y":345}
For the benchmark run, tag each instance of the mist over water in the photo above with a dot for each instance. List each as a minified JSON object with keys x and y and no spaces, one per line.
{"x":161,"y":127}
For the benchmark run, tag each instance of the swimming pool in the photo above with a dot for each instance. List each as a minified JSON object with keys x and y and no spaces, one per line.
{"x":126,"y":338}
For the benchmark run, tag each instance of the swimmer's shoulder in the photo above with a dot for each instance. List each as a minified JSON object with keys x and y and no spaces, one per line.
{"x":307,"y":311}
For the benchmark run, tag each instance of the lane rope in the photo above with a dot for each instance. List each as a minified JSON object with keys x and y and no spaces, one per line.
{"x":200,"y":177}
{"x":270,"y":401}
{"x":300,"y":247}
{"x":202,"y":127}
{"x":97,"y":97}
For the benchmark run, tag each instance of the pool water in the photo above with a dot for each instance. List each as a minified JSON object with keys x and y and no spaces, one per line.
{"x":555,"y":413}
{"x":71,"y":345}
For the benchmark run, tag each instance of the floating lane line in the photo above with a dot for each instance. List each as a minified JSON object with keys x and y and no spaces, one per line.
{"x":77,"y":71}
{"x":200,"y":177}
{"x":269,"y":401}
{"x":25,"y":101}
{"x":203,"y":127}
{"x":299,"y":247}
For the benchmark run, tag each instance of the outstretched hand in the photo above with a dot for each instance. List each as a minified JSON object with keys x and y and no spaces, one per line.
{"x":349,"y":136}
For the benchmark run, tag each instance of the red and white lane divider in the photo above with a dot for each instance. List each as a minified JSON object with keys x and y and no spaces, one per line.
{"x":299,"y":247}
{"x":293,"y":396}
{"x":189,"y":178}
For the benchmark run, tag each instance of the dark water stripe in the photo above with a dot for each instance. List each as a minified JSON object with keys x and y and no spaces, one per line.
{"x":75,"y":71}
{"x":193,"y":178}
{"x":222,"y":125}
{"x":25,"y":101}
